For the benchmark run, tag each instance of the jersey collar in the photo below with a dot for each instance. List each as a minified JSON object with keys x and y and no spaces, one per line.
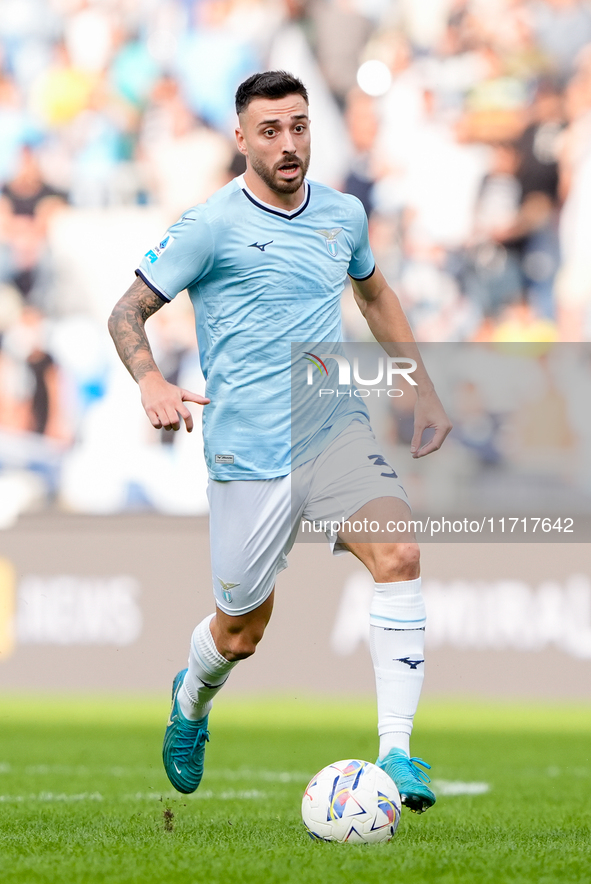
{"x":273,"y":210}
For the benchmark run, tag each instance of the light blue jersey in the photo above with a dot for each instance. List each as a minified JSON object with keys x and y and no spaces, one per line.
{"x":261,"y":278}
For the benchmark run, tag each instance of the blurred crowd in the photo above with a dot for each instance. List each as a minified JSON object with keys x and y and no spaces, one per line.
{"x":464,"y":126}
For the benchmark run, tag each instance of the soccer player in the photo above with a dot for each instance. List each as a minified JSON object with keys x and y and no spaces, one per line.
{"x":265,"y":261}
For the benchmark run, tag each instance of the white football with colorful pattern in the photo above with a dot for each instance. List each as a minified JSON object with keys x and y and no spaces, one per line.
{"x":351,"y":801}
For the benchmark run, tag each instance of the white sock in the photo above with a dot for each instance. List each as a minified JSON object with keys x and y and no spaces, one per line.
{"x":397,"y":642}
{"x":208,"y":672}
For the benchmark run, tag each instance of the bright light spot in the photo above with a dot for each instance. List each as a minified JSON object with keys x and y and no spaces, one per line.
{"x":374,"y":77}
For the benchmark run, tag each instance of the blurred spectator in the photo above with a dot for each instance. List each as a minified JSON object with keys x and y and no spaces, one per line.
{"x":185,"y":160}
{"x":340,"y":33}
{"x":495,"y":104}
{"x":26,"y":193}
{"x":62,"y":90}
{"x":573,"y":289}
{"x":26,"y":206}
{"x":37,"y":404}
{"x":431,"y":296}
{"x":539,"y":143}
{"x":134,"y":69}
{"x":538,"y":176}
{"x":16,"y":127}
{"x":100,"y":150}
{"x":213,"y":57}
{"x":561,"y":28}
{"x":362,"y":124}
{"x":493,"y":273}
{"x":475,"y":426}
{"x":500,"y":194}
{"x":519,"y":322}
{"x":516,"y":251}
{"x":89,"y":36}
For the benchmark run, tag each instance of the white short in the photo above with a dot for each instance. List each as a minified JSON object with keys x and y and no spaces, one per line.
{"x":254,"y":523}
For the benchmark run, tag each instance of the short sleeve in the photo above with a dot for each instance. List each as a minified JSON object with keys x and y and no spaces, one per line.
{"x":362,"y":263}
{"x":182,"y":257}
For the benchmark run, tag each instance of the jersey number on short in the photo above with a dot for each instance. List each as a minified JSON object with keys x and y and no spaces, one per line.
{"x":379,"y":461}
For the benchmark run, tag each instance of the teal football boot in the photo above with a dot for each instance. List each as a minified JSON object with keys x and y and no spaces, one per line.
{"x":184,"y":745}
{"x":410,"y":780}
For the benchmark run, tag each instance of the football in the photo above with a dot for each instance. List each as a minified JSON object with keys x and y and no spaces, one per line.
{"x":352,"y":801}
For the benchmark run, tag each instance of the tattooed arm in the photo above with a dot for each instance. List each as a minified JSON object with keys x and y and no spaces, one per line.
{"x":163,"y":402}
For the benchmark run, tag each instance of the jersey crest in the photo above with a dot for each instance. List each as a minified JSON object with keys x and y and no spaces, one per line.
{"x":330,"y":238}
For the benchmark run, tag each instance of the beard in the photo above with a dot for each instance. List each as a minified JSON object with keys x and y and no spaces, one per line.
{"x":269,"y":174}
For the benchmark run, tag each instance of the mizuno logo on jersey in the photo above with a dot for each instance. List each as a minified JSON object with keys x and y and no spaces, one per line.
{"x":260,"y":246}
{"x":330,"y":238}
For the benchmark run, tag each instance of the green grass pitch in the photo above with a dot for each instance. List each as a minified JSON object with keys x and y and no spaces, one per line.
{"x":83,"y":797}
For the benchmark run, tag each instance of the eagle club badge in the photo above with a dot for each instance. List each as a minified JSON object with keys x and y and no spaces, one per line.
{"x":330,"y":238}
{"x":227,"y":590}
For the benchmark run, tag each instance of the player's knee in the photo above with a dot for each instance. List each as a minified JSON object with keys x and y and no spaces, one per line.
{"x":242,"y":644}
{"x":239,"y":650}
{"x":397,"y":561}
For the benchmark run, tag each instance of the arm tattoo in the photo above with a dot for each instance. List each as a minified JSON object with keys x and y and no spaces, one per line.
{"x":126,"y":325}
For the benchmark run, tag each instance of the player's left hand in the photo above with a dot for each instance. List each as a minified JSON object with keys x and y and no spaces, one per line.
{"x":429,"y":414}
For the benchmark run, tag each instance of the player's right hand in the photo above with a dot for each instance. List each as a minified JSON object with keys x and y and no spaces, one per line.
{"x":164,"y":402}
